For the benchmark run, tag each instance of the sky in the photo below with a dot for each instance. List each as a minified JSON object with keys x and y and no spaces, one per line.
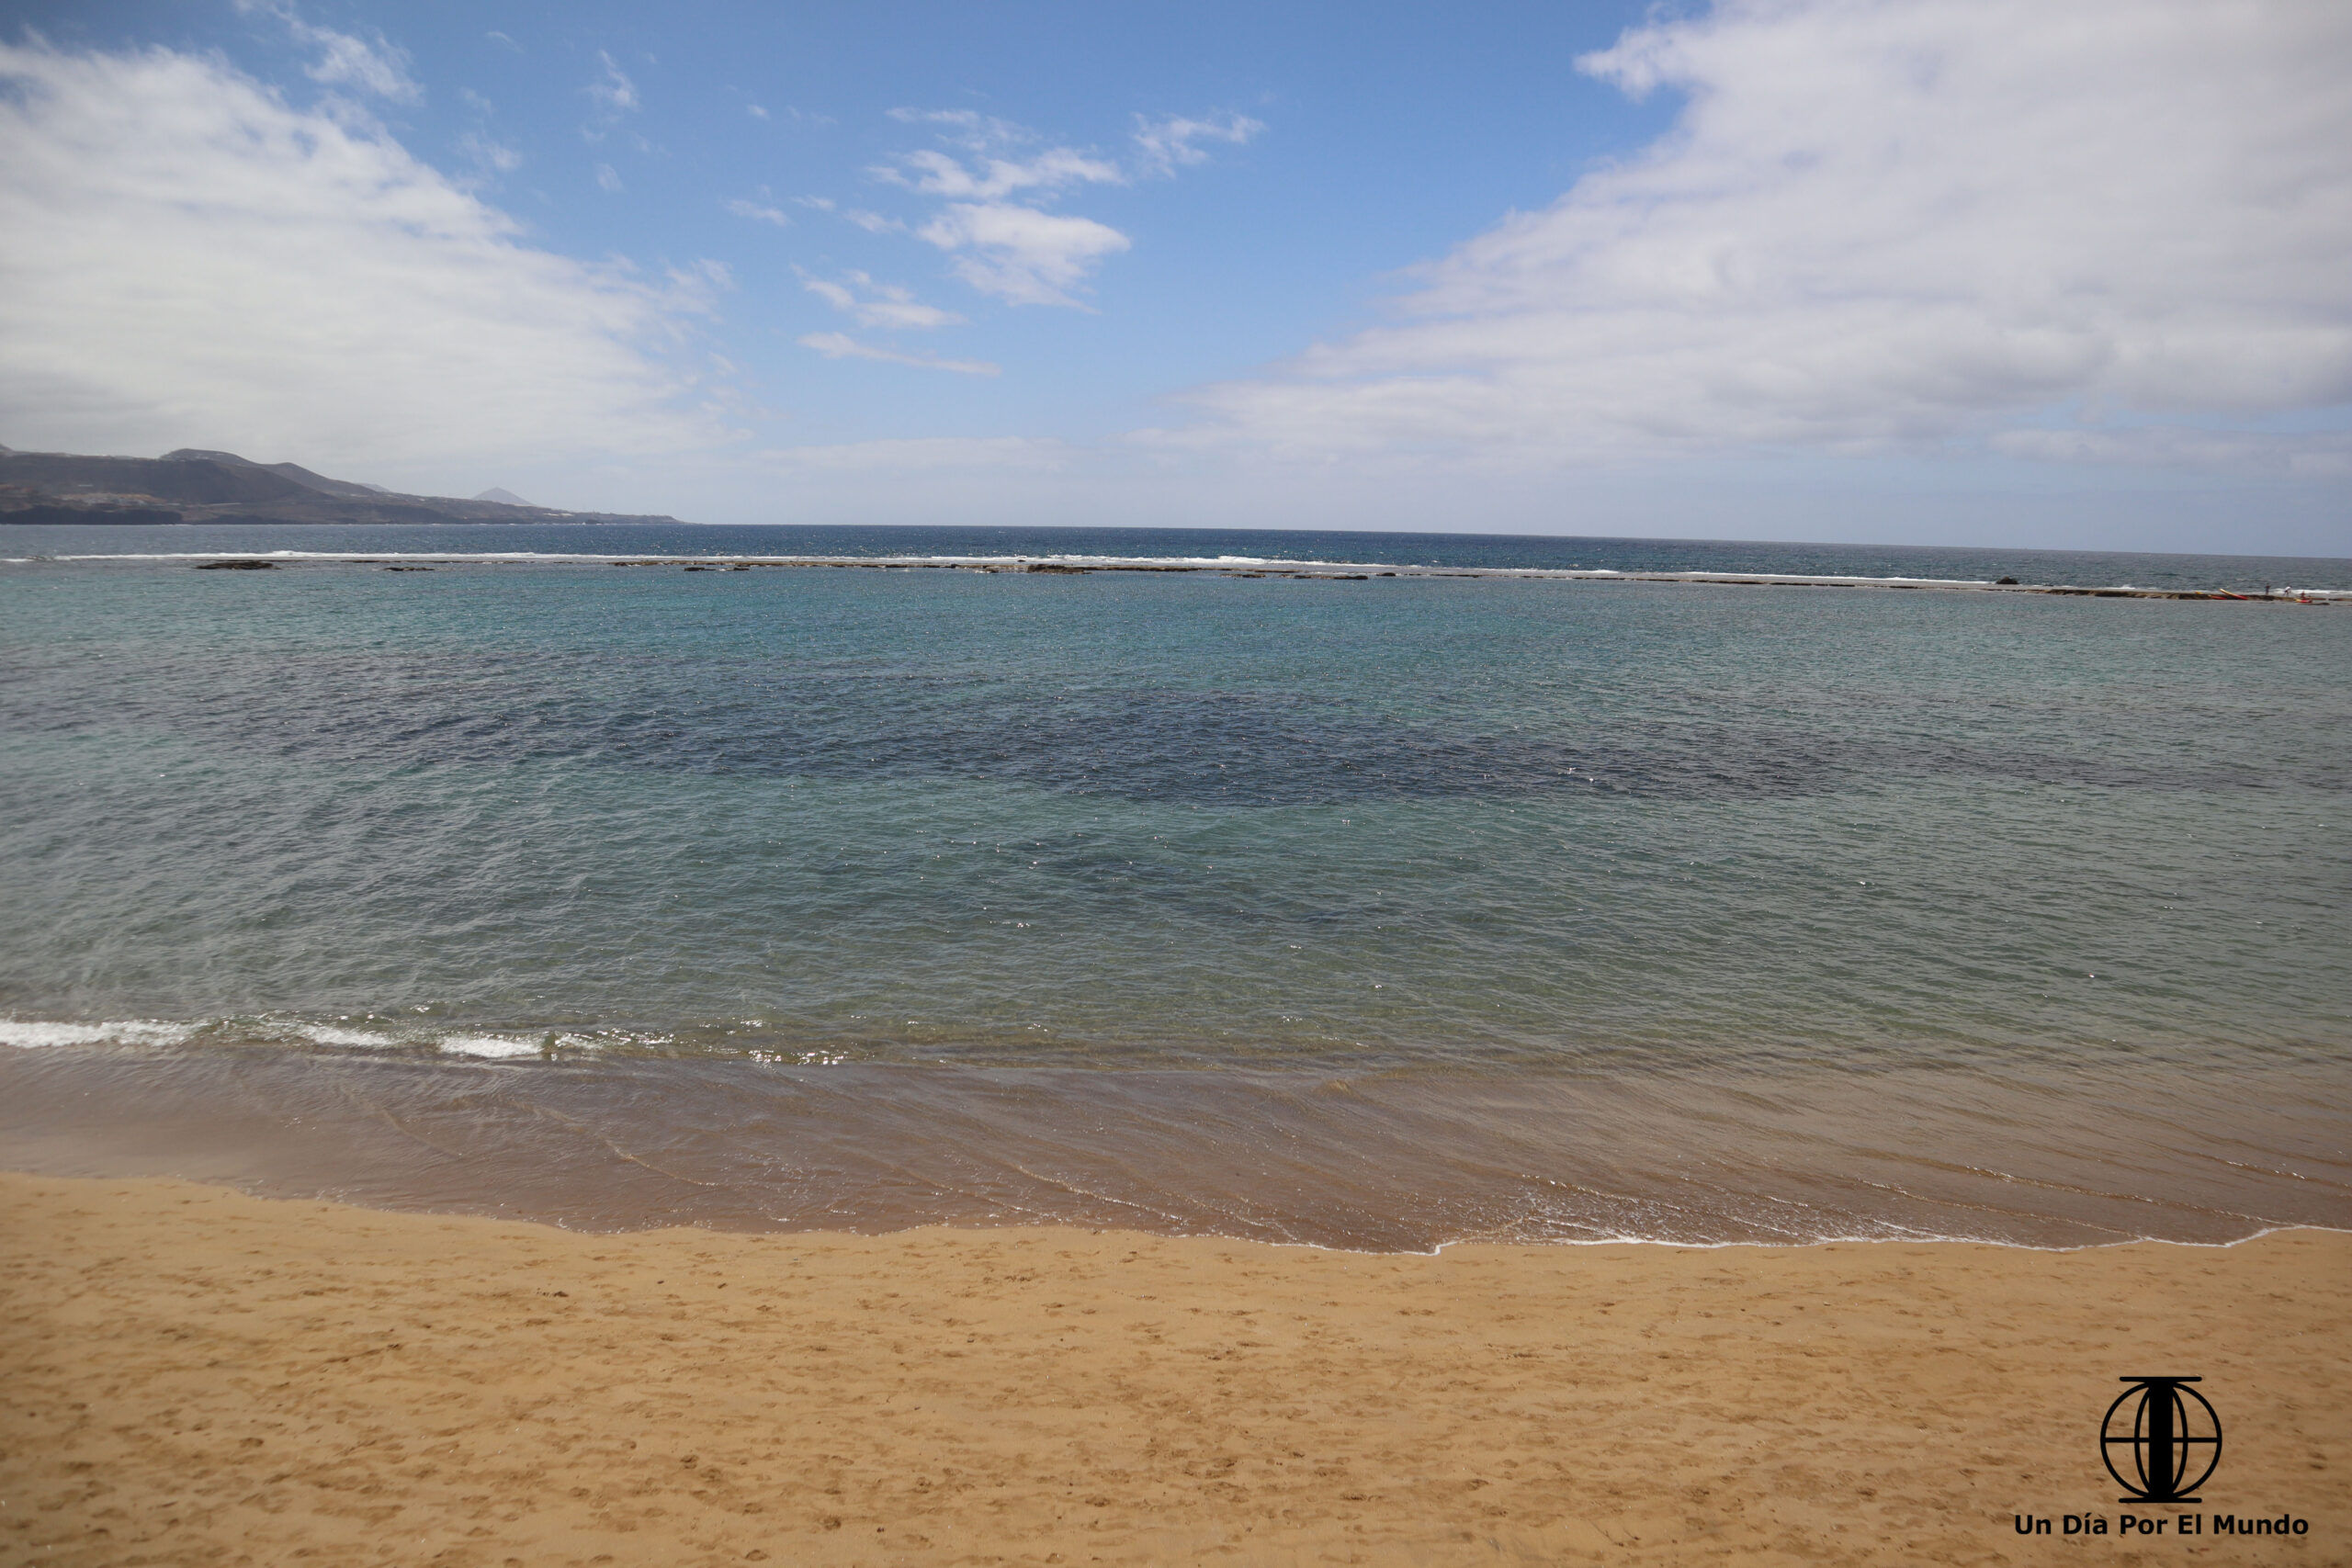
{"x":2056,"y":273}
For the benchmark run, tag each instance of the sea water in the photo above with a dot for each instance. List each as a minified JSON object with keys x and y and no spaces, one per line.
{"x":1374,"y":913}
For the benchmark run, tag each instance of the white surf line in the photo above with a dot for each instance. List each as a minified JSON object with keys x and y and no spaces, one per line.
{"x":1246,"y":566}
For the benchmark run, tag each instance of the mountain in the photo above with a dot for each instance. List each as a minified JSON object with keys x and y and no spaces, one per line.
{"x":300,"y":476}
{"x":192,"y":485}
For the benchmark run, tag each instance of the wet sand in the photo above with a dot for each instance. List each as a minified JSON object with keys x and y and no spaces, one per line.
{"x":1364,"y":1161}
{"x":189,"y":1375}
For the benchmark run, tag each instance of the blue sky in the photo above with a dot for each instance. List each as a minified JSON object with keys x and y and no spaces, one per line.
{"x":2064,"y":274}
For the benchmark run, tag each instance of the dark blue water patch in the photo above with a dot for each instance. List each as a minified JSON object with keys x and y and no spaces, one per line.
{"x":746,"y":717}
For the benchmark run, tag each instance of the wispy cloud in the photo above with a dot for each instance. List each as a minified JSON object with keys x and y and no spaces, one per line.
{"x":488,"y":154}
{"x":878,"y":304}
{"x":996,"y":180}
{"x":840,"y":345}
{"x":1896,"y":227}
{"x":1162,"y":146}
{"x":997,"y":159}
{"x":1020,"y":254}
{"x":1049,"y":169}
{"x":756,"y":211}
{"x":344,"y":60}
{"x":614,"y":96}
{"x":608,"y":179}
{"x":193,"y":261}
{"x":614,"y":93}
{"x":1005,"y":247}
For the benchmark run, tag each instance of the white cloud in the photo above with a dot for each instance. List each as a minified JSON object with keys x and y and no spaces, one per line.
{"x":1018,"y":253}
{"x":752,"y":209}
{"x":608,"y":178}
{"x":1012,"y":250}
{"x":344,"y":60}
{"x":967,"y":128}
{"x":878,"y":304}
{"x":189,"y":261}
{"x":997,"y":181}
{"x":840,"y":345}
{"x":987,"y":178}
{"x":1895,"y":225}
{"x":1164,"y":145}
{"x":756,"y":112}
{"x":349,"y":62}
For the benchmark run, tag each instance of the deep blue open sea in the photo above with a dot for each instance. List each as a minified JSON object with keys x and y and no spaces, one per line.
{"x":1373,"y":913}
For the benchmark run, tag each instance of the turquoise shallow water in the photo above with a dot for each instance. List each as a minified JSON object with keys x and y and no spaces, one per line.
{"x":333,"y":821}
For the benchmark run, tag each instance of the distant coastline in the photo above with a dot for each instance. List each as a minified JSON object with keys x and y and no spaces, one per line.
{"x":190,"y":485}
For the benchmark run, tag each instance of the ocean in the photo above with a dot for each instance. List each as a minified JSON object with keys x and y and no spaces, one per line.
{"x":1376,"y":913}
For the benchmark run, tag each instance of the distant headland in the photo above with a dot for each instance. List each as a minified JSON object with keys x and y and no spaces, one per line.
{"x":195,"y":486}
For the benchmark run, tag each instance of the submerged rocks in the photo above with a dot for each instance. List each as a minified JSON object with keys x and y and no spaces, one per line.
{"x":237,"y":566}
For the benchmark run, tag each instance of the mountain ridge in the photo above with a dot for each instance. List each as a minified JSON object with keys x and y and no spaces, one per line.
{"x":193,"y":484}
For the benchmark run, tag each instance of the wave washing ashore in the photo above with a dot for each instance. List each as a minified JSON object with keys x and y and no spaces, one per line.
{"x":1548,"y":890}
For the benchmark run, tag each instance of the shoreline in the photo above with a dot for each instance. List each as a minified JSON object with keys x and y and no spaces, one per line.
{"x":13,"y":1169}
{"x":1366,"y":1163}
{"x":196,"y":1375}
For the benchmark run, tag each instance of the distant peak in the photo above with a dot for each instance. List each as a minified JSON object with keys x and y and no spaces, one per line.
{"x":503,"y":497}
{"x":195,"y":454}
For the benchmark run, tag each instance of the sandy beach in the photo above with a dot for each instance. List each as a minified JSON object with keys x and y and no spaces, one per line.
{"x":194,"y":1376}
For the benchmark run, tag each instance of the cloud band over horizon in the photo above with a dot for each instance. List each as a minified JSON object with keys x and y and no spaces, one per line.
{"x":2098,"y":230}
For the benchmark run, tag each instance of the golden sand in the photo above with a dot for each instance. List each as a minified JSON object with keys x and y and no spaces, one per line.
{"x":191,"y":1376}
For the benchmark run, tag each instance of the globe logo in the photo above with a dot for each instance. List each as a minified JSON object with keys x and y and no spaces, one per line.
{"x":2160,"y":1439}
